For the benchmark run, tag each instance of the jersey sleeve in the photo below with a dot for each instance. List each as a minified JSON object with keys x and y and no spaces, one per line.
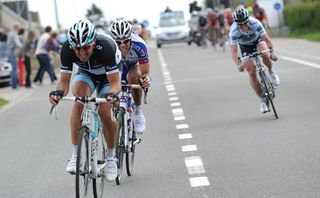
{"x":260,"y":29}
{"x":117,"y":58}
{"x":66,"y":55}
{"x":233,"y":35}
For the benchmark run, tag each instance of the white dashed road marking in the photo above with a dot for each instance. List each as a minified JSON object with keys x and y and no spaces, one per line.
{"x":193,"y":164}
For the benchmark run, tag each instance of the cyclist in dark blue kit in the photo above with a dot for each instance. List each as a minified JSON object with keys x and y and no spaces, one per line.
{"x":95,"y":58}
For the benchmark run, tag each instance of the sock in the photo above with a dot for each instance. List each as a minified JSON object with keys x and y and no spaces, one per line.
{"x":138,"y":110}
{"x":111,"y":152}
{"x":74,"y":150}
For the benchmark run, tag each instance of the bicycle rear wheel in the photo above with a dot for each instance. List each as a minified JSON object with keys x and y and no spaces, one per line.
{"x":120,"y":144}
{"x":98,"y":183}
{"x":82,"y":167}
{"x":268,"y":91}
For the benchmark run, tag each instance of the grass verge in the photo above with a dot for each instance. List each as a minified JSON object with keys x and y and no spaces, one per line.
{"x":3,"y":101}
{"x":312,"y":35}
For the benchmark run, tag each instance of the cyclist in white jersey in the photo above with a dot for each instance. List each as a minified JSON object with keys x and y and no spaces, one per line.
{"x":249,"y":34}
{"x":135,"y":65}
{"x":97,"y":58}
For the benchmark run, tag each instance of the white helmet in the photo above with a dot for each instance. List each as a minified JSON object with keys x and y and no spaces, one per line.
{"x":120,"y":30}
{"x":241,"y":15}
{"x":81,"y":34}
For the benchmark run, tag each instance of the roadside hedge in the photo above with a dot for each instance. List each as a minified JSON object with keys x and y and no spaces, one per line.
{"x":302,"y":16}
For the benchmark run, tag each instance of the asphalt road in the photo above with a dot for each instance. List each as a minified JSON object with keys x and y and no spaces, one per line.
{"x":205,"y":135}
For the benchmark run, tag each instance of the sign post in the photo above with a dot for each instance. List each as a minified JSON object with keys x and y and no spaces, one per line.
{"x":278,"y":7}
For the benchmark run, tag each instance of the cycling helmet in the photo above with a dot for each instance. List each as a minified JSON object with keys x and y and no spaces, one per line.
{"x":240,"y":16}
{"x":81,"y":34}
{"x":120,"y":30}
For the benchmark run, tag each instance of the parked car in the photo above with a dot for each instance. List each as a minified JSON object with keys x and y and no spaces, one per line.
{"x":172,"y":29}
{"x":5,"y":72}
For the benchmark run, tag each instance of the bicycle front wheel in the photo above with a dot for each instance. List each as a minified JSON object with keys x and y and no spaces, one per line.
{"x":82,"y":167}
{"x":131,"y":150}
{"x":98,"y":183}
{"x":120,"y":144}
{"x":268,"y":91}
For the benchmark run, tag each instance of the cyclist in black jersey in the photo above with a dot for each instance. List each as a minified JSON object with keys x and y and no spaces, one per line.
{"x":95,"y":59}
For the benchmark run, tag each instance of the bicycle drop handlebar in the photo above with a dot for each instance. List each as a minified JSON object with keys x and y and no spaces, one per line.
{"x":137,"y":86}
{"x":255,"y":54}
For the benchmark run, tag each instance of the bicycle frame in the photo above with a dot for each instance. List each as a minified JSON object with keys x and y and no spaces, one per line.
{"x":91,"y":120}
{"x":126,"y":130}
{"x":267,"y":87}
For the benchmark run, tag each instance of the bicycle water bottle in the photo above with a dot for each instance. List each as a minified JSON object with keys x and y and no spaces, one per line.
{"x":94,"y":122}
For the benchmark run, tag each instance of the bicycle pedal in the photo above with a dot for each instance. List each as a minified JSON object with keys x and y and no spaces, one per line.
{"x":137,"y":141}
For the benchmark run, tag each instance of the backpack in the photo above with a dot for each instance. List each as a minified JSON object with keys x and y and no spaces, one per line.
{"x":202,"y":21}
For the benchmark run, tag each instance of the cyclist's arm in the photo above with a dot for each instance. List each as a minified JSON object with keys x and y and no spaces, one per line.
{"x":145,"y":69}
{"x":64,"y":82}
{"x":115,"y":83}
{"x":234,"y":53}
{"x":267,"y":39}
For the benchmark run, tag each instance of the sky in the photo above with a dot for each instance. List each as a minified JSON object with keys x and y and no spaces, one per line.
{"x":70,"y":11}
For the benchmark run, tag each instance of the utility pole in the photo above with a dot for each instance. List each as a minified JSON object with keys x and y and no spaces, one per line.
{"x":57,"y":15}
{"x":1,"y":14}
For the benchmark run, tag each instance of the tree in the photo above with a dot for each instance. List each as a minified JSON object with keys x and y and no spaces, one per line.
{"x":94,"y":13}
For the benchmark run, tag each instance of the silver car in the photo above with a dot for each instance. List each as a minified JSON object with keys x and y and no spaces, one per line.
{"x":172,"y":29}
{"x":5,"y":72}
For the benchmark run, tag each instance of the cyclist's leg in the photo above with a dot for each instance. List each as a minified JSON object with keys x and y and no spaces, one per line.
{"x":265,"y":57}
{"x":108,"y":124}
{"x":267,"y":61}
{"x":251,"y":69}
{"x":132,"y":78}
{"x":81,"y":86}
{"x":139,"y":119}
{"x":109,"y":127}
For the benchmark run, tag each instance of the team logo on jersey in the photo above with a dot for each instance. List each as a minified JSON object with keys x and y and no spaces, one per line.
{"x":99,"y":47}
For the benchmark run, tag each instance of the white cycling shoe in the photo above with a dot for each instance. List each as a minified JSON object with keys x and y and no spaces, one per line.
{"x":274,"y":77}
{"x":71,"y":166}
{"x":111,"y":169}
{"x":264,"y":106}
{"x":139,"y":123}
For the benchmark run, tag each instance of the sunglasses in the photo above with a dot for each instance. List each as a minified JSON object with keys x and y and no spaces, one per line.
{"x":85,"y":48}
{"x":124,"y":41}
{"x":242,"y":25}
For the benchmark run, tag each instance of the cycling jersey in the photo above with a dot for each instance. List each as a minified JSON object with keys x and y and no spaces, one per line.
{"x":104,"y":59}
{"x":137,"y":53}
{"x":255,"y":32}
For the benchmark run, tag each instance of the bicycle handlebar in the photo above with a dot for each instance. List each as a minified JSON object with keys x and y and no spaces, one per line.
{"x":255,"y":54}
{"x":137,"y":86}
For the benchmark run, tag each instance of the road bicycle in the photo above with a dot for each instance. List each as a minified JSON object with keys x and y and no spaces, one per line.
{"x":126,"y":135}
{"x":91,"y":158}
{"x":268,"y":89}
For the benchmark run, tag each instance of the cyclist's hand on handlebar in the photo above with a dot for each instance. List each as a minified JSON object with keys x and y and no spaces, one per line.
{"x":144,"y":81}
{"x":55,"y":96}
{"x":112,"y":98}
{"x":240,"y":65}
{"x":272,"y":55}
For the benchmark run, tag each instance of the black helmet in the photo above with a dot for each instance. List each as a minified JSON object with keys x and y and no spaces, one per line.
{"x":240,"y":16}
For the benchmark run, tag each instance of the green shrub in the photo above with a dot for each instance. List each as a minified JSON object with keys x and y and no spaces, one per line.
{"x":302,"y":15}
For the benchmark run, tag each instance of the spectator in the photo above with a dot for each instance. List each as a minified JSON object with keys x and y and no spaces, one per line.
{"x":43,"y":58}
{"x":168,"y":9}
{"x":14,"y":45}
{"x":28,"y":49}
{"x":260,"y":14}
{"x":3,"y":46}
